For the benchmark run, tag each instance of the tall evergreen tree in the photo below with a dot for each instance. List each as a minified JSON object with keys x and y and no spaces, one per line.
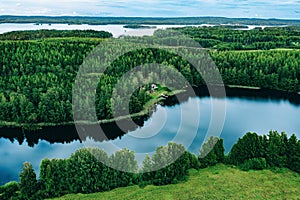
{"x":293,"y":153}
{"x":28,"y":182}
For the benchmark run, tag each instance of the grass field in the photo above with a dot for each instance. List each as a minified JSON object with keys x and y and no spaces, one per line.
{"x":219,"y":182}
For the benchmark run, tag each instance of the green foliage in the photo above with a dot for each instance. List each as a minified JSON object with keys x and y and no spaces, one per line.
{"x":85,"y":173}
{"x":167,"y":169}
{"x":41,"y":34}
{"x":254,"y":163}
{"x":28,"y":182}
{"x":226,"y":38}
{"x":123,"y":164}
{"x":9,"y":190}
{"x":247,"y":147}
{"x":293,"y":153}
{"x":53,"y":178}
{"x":274,"y":69}
{"x":211,"y":152}
{"x":273,"y":150}
{"x":37,"y":76}
{"x":193,"y":160}
{"x":276,"y":154}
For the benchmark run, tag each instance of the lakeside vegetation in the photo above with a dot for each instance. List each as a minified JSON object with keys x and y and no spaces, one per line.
{"x":84,"y":173}
{"x":38,"y":75}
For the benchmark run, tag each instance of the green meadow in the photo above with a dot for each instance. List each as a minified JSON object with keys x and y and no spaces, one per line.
{"x":218,"y":182}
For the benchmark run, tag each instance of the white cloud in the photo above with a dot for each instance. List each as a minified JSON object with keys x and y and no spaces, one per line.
{"x":227,"y":8}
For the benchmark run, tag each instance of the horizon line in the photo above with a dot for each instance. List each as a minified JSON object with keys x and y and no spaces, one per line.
{"x":157,"y":17}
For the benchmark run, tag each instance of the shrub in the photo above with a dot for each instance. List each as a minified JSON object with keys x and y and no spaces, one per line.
{"x":254,"y":163}
{"x":9,"y":190}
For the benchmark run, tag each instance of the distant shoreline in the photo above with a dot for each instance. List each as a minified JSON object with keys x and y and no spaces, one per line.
{"x":145,"y":20}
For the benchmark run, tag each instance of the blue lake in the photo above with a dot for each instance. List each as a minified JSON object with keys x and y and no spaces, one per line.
{"x":243,"y":114}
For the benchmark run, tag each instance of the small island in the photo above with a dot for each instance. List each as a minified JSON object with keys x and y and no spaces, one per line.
{"x":138,"y":26}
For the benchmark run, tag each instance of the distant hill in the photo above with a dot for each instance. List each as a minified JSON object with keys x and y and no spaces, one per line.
{"x":218,"y":182}
{"x":144,"y":20}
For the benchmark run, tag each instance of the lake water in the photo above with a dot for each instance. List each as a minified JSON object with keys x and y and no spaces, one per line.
{"x":243,"y":114}
{"x":116,"y":30}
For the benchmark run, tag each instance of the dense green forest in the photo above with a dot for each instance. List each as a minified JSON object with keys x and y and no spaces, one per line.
{"x":225,"y":38}
{"x":41,"y":34}
{"x":37,"y":76}
{"x":143,"y":20}
{"x":84,"y":173}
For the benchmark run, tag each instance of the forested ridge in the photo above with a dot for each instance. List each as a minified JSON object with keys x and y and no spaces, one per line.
{"x":84,"y":173}
{"x":37,"y":76}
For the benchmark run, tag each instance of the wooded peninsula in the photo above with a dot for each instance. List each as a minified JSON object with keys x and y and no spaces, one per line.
{"x":39,"y":68}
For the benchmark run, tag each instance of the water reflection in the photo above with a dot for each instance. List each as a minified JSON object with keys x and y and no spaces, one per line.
{"x":14,"y":155}
{"x":246,"y":110}
{"x":67,"y":134}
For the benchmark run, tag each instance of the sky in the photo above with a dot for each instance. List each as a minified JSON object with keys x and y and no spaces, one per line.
{"x":285,"y":9}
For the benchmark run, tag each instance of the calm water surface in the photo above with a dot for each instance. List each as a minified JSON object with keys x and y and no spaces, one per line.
{"x":116,"y":30}
{"x":242,"y":115}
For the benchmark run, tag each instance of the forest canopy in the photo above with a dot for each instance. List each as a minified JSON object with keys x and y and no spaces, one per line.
{"x":37,"y":76}
{"x":41,"y":34}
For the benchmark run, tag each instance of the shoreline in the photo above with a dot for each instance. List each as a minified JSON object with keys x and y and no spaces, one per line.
{"x":146,"y":111}
{"x":98,"y":20}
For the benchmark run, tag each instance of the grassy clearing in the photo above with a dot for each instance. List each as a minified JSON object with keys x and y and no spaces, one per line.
{"x":219,"y":182}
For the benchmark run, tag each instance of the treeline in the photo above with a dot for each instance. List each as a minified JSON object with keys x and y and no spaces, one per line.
{"x":41,"y":34}
{"x":268,"y":151}
{"x":84,"y":173}
{"x":278,"y":70}
{"x":92,"y":170}
{"x":224,"y":38}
